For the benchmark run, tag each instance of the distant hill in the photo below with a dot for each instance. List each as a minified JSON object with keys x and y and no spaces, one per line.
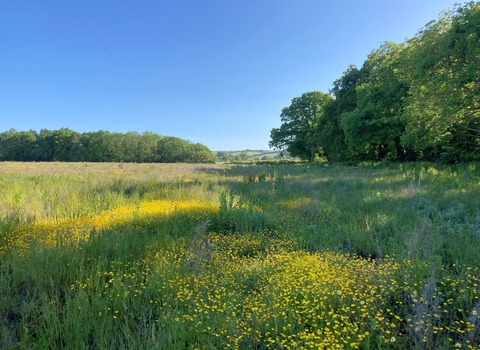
{"x":248,"y":154}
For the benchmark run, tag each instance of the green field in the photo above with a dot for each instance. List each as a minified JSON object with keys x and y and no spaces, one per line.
{"x":164,"y":256}
{"x":256,"y":153}
{"x":248,"y":156}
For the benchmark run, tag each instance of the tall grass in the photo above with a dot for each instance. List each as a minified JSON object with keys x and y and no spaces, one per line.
{"x":353,"y":256}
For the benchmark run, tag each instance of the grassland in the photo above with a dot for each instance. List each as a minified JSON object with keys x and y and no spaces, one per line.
{"x":162,"y":256}
{"x":255,"y":153}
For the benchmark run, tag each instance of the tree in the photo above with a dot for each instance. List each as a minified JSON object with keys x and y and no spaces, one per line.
{"x":444,"y":104}
{"x":224,"y":156}
{"x":6,"y":152}
{"x":131,"y":142}
{"x":201,"y":154}
{"x":55,"y":145}
{"x":147,"y":150}
{"x":374,"y":127}
{"x":331,"y":135}
{"x":175,"y":150}
{"x":99,"y":146}
{"x":18,"y":145}
{"x":242,"y":156}
{"x":172,"y":149}
{"x":416,"y":100}
{"x":298,"y":131}
{"x":79,"y":151}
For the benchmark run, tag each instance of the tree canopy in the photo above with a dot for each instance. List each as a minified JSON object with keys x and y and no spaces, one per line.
{"x":66,"y":145}
{"x":416,"y":100}
{"x":297,"y":134}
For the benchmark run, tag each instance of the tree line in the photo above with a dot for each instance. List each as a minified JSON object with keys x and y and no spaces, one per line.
{"x":418,"y":100}
{"x":254,"y":155}
{"x":66,"y":145}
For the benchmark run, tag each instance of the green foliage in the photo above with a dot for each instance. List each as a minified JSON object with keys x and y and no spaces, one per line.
{"x":297,"y":134}
{"x":374,"y":127}
{"x":415,"y":100}
{"x":237,"y":215}
{"x":176,"y":150}
{"x":443,"y":111}
{"x":224,"y":156}
{"x":18,"y":145}
{"x":242,"y":156}
{"x":102,"y":146}
{"x":331,"y":134}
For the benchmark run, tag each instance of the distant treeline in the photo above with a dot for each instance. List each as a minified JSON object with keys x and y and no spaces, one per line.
{"x":66,"y":145}
{"x":249,"y":155}
{"x":418,"y":100}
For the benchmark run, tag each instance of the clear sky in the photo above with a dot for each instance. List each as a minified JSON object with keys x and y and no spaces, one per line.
{"x":217,"y":72}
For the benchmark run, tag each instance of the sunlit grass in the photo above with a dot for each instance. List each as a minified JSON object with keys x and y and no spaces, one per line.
{"x":70,"y":231}
{"x":104,"y":256}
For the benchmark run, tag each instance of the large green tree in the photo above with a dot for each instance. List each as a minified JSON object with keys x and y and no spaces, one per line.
{"x":147,"y":148}
{"x":18,"y":145}
{"x":55,"y":144}
{"x":374,"y":127}
{"x":201,"y":154}
{"x":330,"y":133}
{"x":443,"y":112}
{"x":175,"y":150}
{"x":298,"y":131}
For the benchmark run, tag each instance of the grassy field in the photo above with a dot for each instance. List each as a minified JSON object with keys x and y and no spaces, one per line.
{"x":255,"y":153}
{"x":163,"y":256}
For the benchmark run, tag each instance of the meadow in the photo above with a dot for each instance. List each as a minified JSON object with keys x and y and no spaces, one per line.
{"x":225,"y":256}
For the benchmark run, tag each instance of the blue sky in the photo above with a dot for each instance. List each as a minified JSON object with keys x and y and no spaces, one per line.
{"x":216,"y":72}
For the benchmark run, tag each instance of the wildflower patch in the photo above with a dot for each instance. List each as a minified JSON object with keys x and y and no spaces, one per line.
{"x":66,"y":231}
